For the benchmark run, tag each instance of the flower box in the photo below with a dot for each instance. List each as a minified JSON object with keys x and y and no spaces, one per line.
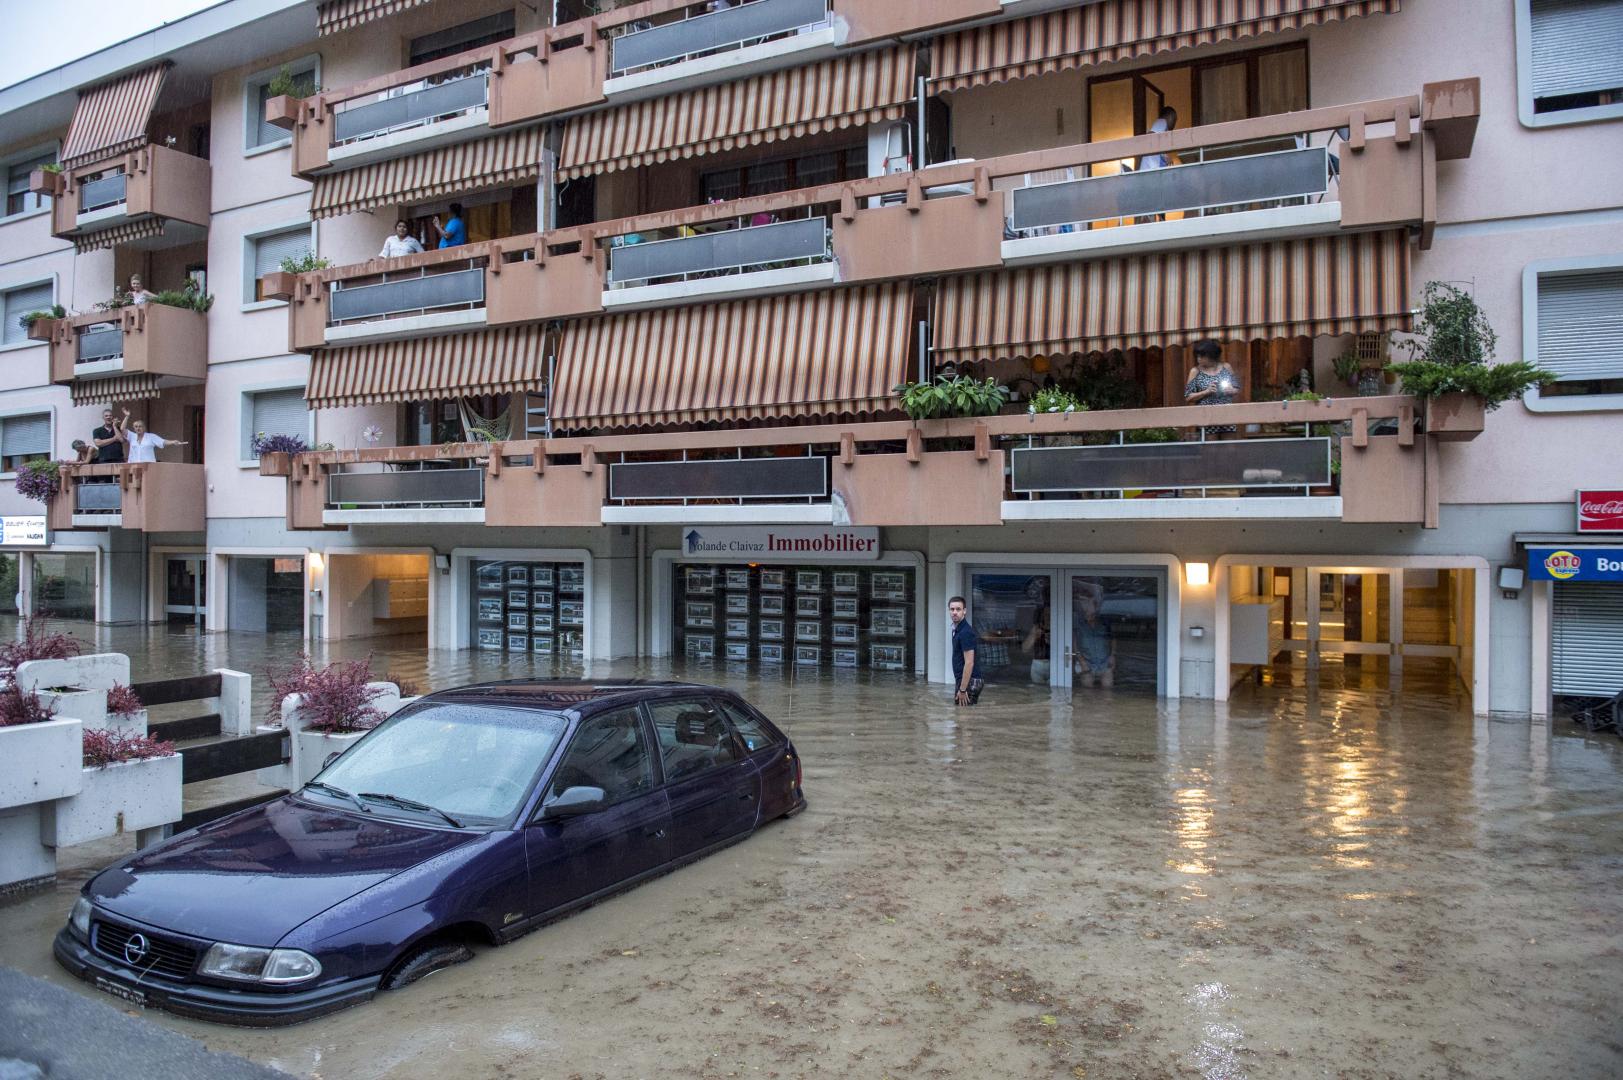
{"x":73,"y":703}
{"x":42,"y":762}
{"x":311,"y":749}
{"x":282,"y":111}
{"x":278,"y":285}
{"x":1455,"y":417}
{"x":46,"y":182}
{"x":41,"y":329}
{"x":125,"y":796}
{"x":275,"y":463}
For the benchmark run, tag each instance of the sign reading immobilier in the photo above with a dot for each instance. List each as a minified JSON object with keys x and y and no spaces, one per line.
{"x":781,"y":543}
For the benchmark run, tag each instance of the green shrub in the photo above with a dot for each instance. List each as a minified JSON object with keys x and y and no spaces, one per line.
{"x":303,"y":264}
{"x":948,"y":397}
{"x":1452,"y":351}
{"x":1051,"y":399}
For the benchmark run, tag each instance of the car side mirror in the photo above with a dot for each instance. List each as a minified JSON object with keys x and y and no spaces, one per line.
{"x":573,"y":802}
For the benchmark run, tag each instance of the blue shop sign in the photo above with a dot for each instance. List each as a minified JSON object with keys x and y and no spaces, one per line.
{"x":1575,"y":564}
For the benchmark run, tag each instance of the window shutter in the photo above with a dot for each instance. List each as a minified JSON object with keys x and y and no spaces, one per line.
{"x":269,"y":251}
{"x":20,"y":302}
{"x":1586,"y":655}
{"x":1575,"y":46}
{"x":26,"y":435}
{"x":1580,"y":324}
{"x":276,"y":412}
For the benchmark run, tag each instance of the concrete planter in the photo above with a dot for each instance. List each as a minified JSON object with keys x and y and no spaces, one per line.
{"x":276,"y":464}
{"x":133,"y":724}
{"x":46,"y":182}
{"x":1455,"y":417}
{"x":90,"y":706}
{"x":41,"y":329}
{"x":42,"y":762}
{"x":123,"y":797}
{"x":278,"y":285}
{"x":311,"y":749}
{"x":282,"y":111}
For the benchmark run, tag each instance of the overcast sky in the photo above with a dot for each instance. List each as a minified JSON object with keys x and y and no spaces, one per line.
{"x":43,"y":34}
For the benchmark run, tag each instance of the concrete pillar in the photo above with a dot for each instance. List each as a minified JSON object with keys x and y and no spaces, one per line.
{"x":24,"y":861}
{"x":235,"y":703}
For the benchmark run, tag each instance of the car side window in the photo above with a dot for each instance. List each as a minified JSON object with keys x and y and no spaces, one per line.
{"x":754,"y":734}
{"x":609,"y":752}
{"x":692,"y":737}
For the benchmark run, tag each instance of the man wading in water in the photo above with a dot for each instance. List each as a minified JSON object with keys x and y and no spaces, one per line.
{"x":966,"y":687}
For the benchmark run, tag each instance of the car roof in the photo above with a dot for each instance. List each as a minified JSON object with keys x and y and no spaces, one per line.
{"x":566,"y":695}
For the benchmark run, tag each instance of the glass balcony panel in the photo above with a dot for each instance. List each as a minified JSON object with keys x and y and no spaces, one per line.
{"x":97,"y":498}
{"x":409,"y":295}
{"x":408,"y":108}
{"x":1229,"y":182}
{"x":749,"y":478}
{"x":731,"y":27}
{"x":733,"y":249}
{"x":1236,"y":463}
{"x":102,"y":192}
{"x":416,"y":487}
{"x":101,"y":342}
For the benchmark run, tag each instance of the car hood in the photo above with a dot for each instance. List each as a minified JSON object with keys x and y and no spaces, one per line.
{"x":253,"y":877}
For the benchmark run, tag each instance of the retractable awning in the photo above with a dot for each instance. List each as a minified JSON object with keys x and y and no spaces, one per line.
{"x":1321,"y":285}
{"x":509,"y":158}
{"x":500,"y":361}
{"x":113,"y":117}
{"x":849,"y":91}
{"x":827,"y":353}
{"x":122,"y":233}
{"x":125,"y":388}
{"x":338,"y":15}
{"x":1117,"y":30}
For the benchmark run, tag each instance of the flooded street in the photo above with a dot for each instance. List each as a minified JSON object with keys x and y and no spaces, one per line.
{"x":1290,"y":885}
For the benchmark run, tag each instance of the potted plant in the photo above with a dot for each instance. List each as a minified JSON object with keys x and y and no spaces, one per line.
{"x":283,"y":94}
{"x":275,"y":453}
{"x":1052,"y":399}
{"x":40,"y":325}
{"x":950,"y":396}
{"x":1452,"y":367}
{"x":125,"y":712}
{"x":39,"y":479}
{"x":326,"y":710}
{"x":129,"y":782}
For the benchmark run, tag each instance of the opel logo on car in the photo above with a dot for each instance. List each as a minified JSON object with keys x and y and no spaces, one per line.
{"x":135,"y":949}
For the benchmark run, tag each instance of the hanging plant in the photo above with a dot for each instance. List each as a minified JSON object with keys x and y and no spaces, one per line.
{"x":39,"y":479}
{"x":1452,"y":350}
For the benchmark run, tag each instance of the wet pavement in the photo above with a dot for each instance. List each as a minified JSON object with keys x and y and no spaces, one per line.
{"x":1300,"y":883}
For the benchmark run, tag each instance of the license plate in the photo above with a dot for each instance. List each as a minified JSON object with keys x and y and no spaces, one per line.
{"x":119,"y":990}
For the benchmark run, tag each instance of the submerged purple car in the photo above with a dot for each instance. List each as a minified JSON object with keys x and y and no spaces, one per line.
{"x":470,"y":816}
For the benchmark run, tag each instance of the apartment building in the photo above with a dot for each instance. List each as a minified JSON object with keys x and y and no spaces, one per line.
{"x":646,"y":407}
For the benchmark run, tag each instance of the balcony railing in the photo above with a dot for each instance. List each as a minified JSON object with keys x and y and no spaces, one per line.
{"x":726,"y":247}
{"x":420,"y":290}
{"x":717,"y":31}
{"x":103,"y":341}
{"x":105,"y":498}
{"x":740,"y":479}
{"x":1279,"y":465}
{"x":102,"y":192}
{"x":413,"y":489}
{"x":147,"y":339}
{"x":403,"y":107}
{"x":158,"y":496}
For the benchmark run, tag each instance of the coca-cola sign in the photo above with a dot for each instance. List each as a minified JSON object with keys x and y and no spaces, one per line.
{"x":1600,"y":511}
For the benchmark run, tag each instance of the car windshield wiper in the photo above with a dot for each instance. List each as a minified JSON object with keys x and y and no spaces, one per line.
{"x":340,"y":792}
{"x":411,"y":804}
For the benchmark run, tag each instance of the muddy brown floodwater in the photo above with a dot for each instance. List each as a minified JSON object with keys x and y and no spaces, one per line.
{"x":1299,"y":884}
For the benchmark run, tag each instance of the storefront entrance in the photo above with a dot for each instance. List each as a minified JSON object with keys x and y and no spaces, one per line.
{"x":185,"y":590}
{"x":266,"y":594}
{"x":1089,"y":629}
{"x":524,"y":606}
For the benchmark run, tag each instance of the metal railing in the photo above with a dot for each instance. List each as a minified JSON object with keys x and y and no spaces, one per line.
{"x":728,"y":28}
{"x":738,"y":479}
{"x":1286,"y":464}
{"x":728,"y":248}
{"x":98,"y":498}
{"x":103,"y":341}
{"x":406,"y":489}
{"x":417,"y":291}
{"x":412,"y":106}
{"x":102,"y":192}
{"x":1221,"y":180}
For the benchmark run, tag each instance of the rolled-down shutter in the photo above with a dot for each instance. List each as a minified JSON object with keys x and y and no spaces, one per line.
{"x":269,"y":251}
{"x":29,"y":435}
{"x":1580,"y":324}
{"x":1586,"y":639}
{"x":1577,"y":46}
{"x":19,"y":302}
{"x":276,"y":412}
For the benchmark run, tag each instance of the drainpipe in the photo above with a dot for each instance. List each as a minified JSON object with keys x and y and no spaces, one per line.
{"x":642,"y":591}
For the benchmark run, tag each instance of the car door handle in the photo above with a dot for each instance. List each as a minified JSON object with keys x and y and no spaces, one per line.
{"x":655,"y":834}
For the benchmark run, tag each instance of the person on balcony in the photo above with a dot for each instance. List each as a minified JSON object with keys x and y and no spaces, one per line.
{"x":144,"y":445}
{"x":1163,"y":123}
{"x":454,"y":232}
{"x":83,"y":453}
{"x":400,"y":243}
{"x":138,"y":293}
{"x":1211,"y":382}
{"x":108,"y":441}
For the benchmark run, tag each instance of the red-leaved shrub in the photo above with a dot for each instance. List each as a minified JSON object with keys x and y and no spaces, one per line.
{"x":39,"y":642}
{"x":334,"y":698}
{"x":109,"y":747}
{"x":17,"y":707}
{"x":122,"y":701}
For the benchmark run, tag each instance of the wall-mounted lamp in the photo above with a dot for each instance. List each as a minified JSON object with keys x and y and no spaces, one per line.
{"x":1197,"y":573}
{"x":318,"y":563}
{"x":442,"y":563}
{"x":1511,"y":579}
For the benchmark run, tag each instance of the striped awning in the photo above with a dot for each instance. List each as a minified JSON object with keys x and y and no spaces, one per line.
{"x":1245,"y":292}
{"x":124,"y":388}
{"x":113,"y":117}
{"x":508,"y":158}
{"x":1116,"y":30}
{"x":496,"y":361}
{"x":850,"y":91}
{"x":122,"y":233}
{"x":335,"y":16}
{"x":827,"y":353}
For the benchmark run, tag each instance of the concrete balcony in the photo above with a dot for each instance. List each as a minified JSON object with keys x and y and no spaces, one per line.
{"x":150,"y":497}
{"x":168,"y":343}
{"x":156,"y":197}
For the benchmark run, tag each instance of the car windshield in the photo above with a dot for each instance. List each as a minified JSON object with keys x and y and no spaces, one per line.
{"x":473,"y":763}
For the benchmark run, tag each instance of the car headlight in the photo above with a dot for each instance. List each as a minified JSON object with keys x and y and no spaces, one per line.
{"x":249,"y":964}
{"x":79,"y":918}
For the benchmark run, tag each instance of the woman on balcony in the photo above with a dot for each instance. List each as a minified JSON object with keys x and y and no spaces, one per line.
{"x":401,"y":243}
{"x":1211,"y":382}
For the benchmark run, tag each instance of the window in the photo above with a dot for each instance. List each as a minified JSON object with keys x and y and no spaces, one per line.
{"x":787,"y":174}
{"x":15,"y":303}
{"x":1574,"y":327}
{"x":273,"y":412}
{"x":256,"y":91}
{"x":22,"y":438}
{"x":608,"y":752}
{"x":692,"y":737}
{"x":1569,"y":65}
{"x":469,"y":35}
{"x":267,"y":250}
{"x":755,"y":735}
{"x":19,"y":200}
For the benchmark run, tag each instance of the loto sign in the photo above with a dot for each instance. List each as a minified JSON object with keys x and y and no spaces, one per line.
{"x":1600,"y":511}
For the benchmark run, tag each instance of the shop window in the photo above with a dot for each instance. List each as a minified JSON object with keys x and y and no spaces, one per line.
{"x":530,"y":607}
{"x":10,"y":564}
{"x":1569,"y":65}
{"x":1573,"y":326}
{"x":65,"y":585}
